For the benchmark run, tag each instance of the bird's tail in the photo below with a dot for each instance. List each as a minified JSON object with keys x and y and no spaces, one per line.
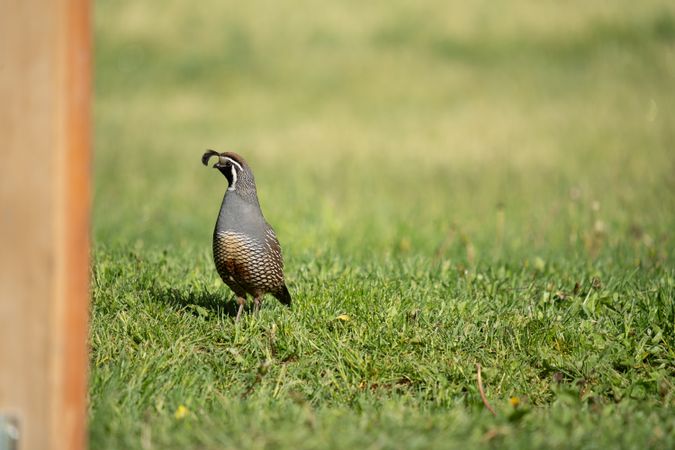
{"x":283,"y":296}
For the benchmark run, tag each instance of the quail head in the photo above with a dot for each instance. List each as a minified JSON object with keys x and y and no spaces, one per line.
{"x":245,"y":248}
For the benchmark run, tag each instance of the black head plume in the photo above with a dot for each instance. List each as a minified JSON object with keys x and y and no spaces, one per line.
{"x":207,"y":155}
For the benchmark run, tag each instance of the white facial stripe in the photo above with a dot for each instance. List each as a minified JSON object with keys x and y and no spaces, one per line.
{"x":234,"y":162}
{"x":234,"y":178}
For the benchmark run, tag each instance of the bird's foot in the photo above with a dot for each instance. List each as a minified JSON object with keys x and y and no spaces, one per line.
{"x":241,"y":302}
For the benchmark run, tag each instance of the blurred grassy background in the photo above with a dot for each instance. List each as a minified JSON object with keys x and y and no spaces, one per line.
{"x":487,"y":182}
{"x":380,"y":127}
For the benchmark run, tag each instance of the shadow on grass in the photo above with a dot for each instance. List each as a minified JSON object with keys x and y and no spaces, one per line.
{"x":201,"y":303}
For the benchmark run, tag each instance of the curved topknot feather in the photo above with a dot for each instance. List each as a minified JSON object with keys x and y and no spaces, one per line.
{"x":207,"y":155}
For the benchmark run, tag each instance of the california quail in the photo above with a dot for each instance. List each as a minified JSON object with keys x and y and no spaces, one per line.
{"x":245,"y":248}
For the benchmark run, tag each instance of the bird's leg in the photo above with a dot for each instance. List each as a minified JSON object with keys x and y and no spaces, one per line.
{"x":257,"y":301}
{"x":241,"y":301}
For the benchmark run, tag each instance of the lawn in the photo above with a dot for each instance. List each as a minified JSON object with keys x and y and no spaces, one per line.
{"x":488,"y":183}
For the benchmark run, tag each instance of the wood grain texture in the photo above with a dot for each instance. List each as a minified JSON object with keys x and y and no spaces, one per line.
{"x":44,"y":218}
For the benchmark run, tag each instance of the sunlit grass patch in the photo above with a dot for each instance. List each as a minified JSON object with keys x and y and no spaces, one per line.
{"x":451,"y":185}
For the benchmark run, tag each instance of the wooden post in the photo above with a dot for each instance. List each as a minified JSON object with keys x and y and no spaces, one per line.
{"x":45,"y":61}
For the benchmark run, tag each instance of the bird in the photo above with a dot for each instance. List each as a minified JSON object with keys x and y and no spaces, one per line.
{"x":246,"y":251}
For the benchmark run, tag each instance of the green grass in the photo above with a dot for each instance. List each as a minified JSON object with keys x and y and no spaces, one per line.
{"x":451,"y":185}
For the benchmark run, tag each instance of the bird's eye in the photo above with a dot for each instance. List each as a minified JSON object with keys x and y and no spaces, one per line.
{"x":231,"y":162}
